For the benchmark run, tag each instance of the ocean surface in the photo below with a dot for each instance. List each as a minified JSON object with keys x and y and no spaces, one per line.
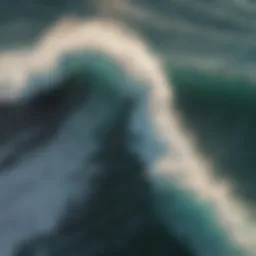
{"x":209,"y":50}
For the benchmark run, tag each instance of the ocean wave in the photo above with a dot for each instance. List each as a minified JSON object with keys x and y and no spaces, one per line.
{"x":182,"y":180}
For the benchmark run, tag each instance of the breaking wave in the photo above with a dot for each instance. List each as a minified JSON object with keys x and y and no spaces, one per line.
{"x":192,"y":202}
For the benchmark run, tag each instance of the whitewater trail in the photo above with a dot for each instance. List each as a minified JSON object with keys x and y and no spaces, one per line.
{"x":166,"y":148}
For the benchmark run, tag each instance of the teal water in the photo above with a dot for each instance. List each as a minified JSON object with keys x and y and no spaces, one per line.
{"x":221,"y":110}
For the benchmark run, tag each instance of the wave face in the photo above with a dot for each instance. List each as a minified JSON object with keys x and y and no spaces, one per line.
{"x":89,"y":117}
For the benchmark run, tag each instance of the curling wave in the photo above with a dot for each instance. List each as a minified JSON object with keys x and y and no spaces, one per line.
{"x":188,"y":198}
